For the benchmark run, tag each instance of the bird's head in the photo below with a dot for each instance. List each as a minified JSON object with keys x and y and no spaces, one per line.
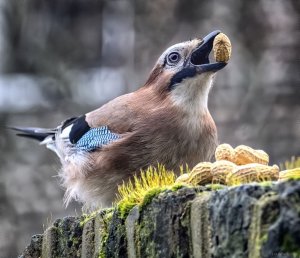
{"x":184,"y":73}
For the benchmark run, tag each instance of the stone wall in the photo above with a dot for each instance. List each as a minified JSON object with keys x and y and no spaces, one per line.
{"x":64,"y":58}
{"x":255,"y":220}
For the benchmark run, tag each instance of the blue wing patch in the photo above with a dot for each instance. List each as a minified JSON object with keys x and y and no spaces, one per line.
{"x":95,"y":138}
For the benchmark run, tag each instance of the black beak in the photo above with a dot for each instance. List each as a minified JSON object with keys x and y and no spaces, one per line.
{"x":199,"y":57}
{"x":199,"y":61}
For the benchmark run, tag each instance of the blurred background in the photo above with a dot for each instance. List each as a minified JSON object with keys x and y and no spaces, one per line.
{"x":65,"y":58}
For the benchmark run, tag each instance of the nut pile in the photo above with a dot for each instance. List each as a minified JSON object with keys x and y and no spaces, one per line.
{"x":236,"y":166}
{"x":222,"y":48}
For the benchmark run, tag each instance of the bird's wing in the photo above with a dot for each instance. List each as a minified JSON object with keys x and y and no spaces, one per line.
{"x":83,"y":137}
{"x":92,"y":130}
{"x":103,"y":125}
{"x":87,"y":132}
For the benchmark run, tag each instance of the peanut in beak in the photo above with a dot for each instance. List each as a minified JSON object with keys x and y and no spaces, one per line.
{"x":222,"y":48}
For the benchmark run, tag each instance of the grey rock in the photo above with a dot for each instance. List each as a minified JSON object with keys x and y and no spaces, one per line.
{"x":254,"y":220}
{"x":163,"y":228}
{"x":230,"y":215}
{"x":130,"y":222}
{"x":50,"y":239}
{"x":70,"y":237}
{"x":116,"y":245}
{"x":88,"y":237}
{"x":283,"y":234}
{"x":34,"y":249}
{"x":100,"y":229}
{"x":200,"y":226}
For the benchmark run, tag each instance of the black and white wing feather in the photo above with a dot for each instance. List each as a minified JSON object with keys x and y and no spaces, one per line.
{"x":74,"y":133}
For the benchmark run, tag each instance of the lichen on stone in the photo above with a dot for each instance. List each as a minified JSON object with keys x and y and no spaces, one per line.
{"x":260,"y":223}
{"x":105,"y":217}
{"x":87,"y":216}
{"x":163,"y":226}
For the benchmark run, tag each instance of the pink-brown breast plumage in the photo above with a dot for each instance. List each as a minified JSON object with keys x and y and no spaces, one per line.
{"x":151,"y":134}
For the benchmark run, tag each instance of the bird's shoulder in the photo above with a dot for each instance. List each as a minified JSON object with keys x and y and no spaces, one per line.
{"x":102,"y":125}
{"x":112,"y":120}
{"x":119,"y":114}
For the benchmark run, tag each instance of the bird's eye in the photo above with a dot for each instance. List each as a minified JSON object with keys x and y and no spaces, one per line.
{"x":173,"y":58}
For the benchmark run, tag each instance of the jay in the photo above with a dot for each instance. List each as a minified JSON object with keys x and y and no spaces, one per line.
{"x":166,"y":121}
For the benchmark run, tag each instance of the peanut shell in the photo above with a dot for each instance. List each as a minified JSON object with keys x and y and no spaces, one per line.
{"x":201,"y":174}
{"x":222,"y":48}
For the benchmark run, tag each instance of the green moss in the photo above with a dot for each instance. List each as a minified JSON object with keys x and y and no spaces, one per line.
{"x":102,"y":248}
{"x":266,"y":183}
{"x":59,"y":230}
{"x":259,"y":227}
{"x":86,"y":217}
{"x":125,"y":206}
{"x":150,"y":195}
{"x":68,"y":236}
{"x":141,"y":189}
{"x":132,"y":193}
{"x":263,"y":239}
{"x":142,"y":240}
{"x":294,"y":162}
{"x":106,"y":218}
{"x":293,"y":178}
{"x":215,"y":187}
{"x":178,"y":186}
{"x":290,"y":246}
{"x":108,"y":215}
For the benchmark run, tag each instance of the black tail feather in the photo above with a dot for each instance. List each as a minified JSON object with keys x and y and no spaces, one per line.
{"x":38,"y":134}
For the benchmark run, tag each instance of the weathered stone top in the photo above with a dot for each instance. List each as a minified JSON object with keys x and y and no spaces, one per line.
{"x":254,"y":220}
